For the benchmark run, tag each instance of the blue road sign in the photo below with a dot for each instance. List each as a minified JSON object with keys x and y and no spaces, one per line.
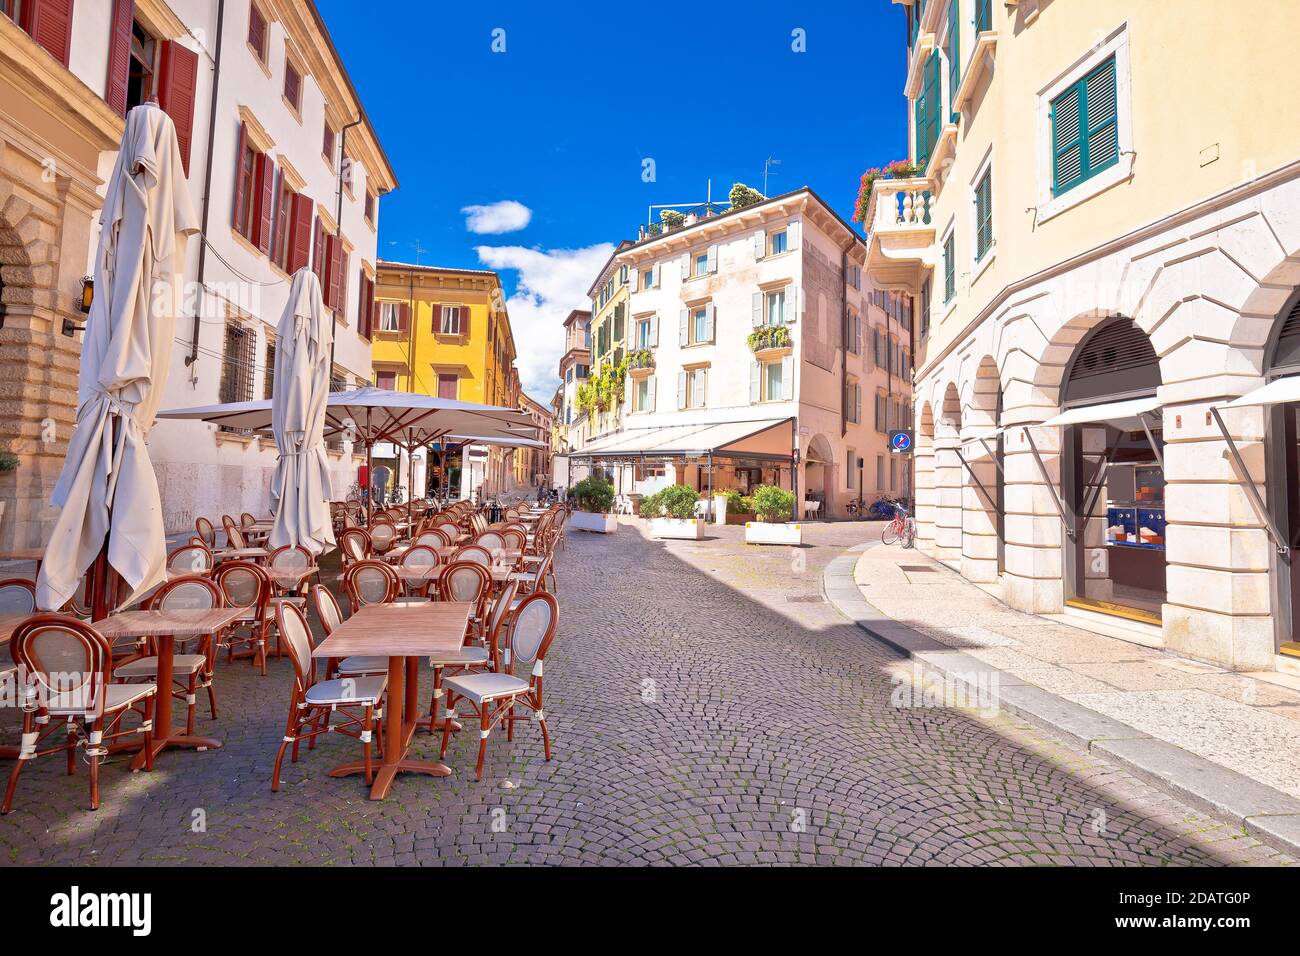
{"x":900,"y":441}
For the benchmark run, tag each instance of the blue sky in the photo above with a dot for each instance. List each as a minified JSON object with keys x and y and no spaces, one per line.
{"x":561,"y":122}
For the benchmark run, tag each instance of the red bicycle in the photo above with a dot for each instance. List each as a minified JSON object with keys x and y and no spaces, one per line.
{"x":901,"y":528}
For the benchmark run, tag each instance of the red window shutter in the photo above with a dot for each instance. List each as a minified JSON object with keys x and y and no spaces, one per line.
{"x":370,"y":307}
{"x":343,"y":276}
{"x":334,"y":276}
{"x":404,"y":317}
{"x":241,"y":181}
{"x":119,"y":52}
{"x":49,"y":23}
{"x":178,"y":76}
{"x":363,"y":304}
{"x":300,"y":236}
{"x":318,"y":256}
{"x":265,"y":172}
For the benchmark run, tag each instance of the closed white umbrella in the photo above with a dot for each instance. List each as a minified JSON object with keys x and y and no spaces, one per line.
{"x":300,"y":488}
{"x":107,"y":489}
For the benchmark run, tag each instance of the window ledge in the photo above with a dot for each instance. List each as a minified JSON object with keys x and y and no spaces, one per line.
{"x":989,"y":255}
{"x":774,"y":353}
{"x":234,"y":438}
{"x":916,"y":65}
{"x":945,"y":147}
{"x":1099,"y":183}
{"x":981,"y":62}
{"x":257,"y":57}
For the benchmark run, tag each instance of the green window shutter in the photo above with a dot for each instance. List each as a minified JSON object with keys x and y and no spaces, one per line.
{"x":983,"y":15}
{"x":927,"y":111}
{"x":983,"y":215}
{"x":1085,"y":129}
{"x":954,"y":53}
{"x":949,"y":270}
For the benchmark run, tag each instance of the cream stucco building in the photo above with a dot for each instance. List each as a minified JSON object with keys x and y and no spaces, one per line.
{"x":1102,"y":239}
{"x":755,"y":354}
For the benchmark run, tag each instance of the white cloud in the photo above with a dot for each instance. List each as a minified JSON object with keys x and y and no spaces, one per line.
{"x":497,"y":217}
{"x":551,"y":284}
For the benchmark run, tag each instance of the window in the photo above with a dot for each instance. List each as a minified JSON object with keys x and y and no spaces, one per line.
{"x":777,"y":243}
{"x":257,"y":31}
{"x":583,"y":371}
{"x":643,"y":391}
{"x":773,"y":309}
{"x":327,"y":146}
{"x":390,"y":317}
{"x":983,"y":215}
{"x":852,"y":331}
{"x":370,"y":207}
{"x":692,"y":387}
{"x":386,"y":380}
{"x":854,"y":277}
{"x":851,"y":467}
{"x":949,"y":270}
{"x":568,"y":376}
{"x":292,"y":86}
{"x":448,"y":385}
{"x":268,"y":383}
{"x":696,"y":325}
{"x":1085,"y":128}
{"x":893,"y":473}
{"x":926,"y":112}
{"x":925,"y":308}
{"x":620,"y":311}
{"x":622,"y":275}
{"x":49,"y":24}
{"x":237,"y":363}
{"x":648,"y":278}
{"x":452,"y":320}
{"x":246,"y":198}
{"x":880,"y":472}
{"x":853,"y":401}
{"x":647,"y":333}
{"x":772,"y":381}
{"x":702,"y":264}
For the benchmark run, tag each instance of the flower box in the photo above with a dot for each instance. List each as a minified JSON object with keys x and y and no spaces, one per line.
{"x":597,"y":523}
{"x":692,"y":529}
{"x":768,"y":532}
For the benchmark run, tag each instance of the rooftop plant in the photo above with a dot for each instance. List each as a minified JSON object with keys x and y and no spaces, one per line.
{"x":742,"y":196}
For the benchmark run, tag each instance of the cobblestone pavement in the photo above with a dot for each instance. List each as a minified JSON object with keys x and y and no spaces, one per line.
{"x":707,"y":707}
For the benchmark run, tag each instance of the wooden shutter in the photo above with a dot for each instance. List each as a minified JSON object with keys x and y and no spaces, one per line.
{"x":787,"y":377}
{"x":241,"y":180}
{"x":318,"y":254}
{"x":654,"y":330}
{"x":983,"y":215}
{"x":760,"y":244}
{"x":681,"y":390}
{"x":119,"y":52}
{"x":300,"y":236}
{"x":711,"y":259}
{"x":178,"y":76}
{"x":264,"y":169}
{"x":755,"y":382}
{"x":49,"y":23}
{"x":404,"y":316}
{"x":756,"y":309}
{"x":949,"y":269}
{"x":954,"y":54}
{"x":683,"y":327}
{"x":792,"y":241}
{"x":1067,"y":140}
{"x":708,"y":322}
{"x":700,"y":388}
{"x":793,"y":306}
{"x":333,"y":273}
{"x":268,"y":386}
{"x":365,"y":297}
{"x":344,"y":260}
{"x":1100,"y":108}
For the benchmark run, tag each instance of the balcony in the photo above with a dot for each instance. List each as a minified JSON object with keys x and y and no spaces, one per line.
{"x":901,"y":232}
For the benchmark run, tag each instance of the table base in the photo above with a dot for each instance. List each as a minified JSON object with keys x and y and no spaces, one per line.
{"x":175,"y":740}
{"x":386,"y":772}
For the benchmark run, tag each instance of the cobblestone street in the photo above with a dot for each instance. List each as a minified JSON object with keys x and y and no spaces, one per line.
{"x":707,"y":707}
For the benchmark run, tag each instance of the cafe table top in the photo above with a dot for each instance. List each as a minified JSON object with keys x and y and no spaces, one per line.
{"x":241,"y":553}
{"x":400,"y":630}
{"x":289,"y":577}
{"x":8,"y":624}
{"x":178,"y":622}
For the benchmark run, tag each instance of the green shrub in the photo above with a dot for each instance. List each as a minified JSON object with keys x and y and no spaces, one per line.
{"x":746,"y":506}
{"x":8,"y":461}
{"x":593,"y":494}
{"x":675,"y":501}
{"x":772,"y":503}
{"x":734,"y":498}
{"x":742,"y":196}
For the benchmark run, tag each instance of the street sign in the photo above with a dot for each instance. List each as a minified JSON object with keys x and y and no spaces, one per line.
{"x":900,"y":442}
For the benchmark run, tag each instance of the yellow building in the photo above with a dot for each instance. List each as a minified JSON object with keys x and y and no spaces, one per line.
{"x":446,"y":332}
{"x":1097,"y":226}
{"x":609,"y":330}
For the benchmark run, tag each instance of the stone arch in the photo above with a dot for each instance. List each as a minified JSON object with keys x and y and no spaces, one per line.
{"x":948,"y":477}
{"x":819,"y":472}
{"x":982,"y":530}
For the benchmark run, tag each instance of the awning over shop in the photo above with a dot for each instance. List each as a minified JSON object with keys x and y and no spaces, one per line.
{"x":979,"y":445}
{"x":766,"y":438}
{"x":1277,"y":392}
{"x":1123,"y":414}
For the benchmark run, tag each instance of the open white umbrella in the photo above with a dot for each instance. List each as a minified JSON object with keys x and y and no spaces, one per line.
{"x":300,"y":489}
{"x":107,"y":493}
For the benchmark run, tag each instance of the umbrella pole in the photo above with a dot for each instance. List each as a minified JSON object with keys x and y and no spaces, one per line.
{"x":102,"y":579}
{"x":410,"y":488}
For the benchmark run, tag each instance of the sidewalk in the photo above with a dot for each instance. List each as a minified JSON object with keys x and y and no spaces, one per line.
{"x":1225,"y":742}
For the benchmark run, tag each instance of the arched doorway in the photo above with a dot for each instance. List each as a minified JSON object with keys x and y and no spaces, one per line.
{"x":1112,"y":474}
{"x":948,"y":479}
{"x":1282,"y":464}
{"x":983,"y":532}
{"x":818,"y":476}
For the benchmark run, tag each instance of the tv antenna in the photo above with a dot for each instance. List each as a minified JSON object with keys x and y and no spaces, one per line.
{"x":767,"y":169}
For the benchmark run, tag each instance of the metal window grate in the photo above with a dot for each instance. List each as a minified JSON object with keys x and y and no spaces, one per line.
{"x":237,"y":366}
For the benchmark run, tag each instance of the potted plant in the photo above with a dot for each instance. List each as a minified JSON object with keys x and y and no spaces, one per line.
{"x":742,"y":196}
{"x":593,"y":497}
{"x":769,"y":337}
{"x":740,"y":508}
{"x":8,"y":464}
{"x":671,"y":512}
{"x":898,"y":169}
{"x":773,"y":506}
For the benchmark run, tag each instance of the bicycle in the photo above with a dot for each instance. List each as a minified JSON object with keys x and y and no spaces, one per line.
{"x":856,"y":508}
{"x":901,"y":528}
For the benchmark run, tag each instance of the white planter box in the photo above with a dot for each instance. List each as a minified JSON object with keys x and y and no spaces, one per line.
{"x":691,"y":529}
{"x":762,"y":532}
{"x":600,"y":524}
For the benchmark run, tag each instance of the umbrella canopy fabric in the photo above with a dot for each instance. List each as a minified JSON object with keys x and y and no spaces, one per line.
{"x":371,"y":415}
{"x":300,"y":488}
{"x":107,"y":487}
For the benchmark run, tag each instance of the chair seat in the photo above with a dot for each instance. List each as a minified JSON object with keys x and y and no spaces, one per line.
{"x":116,"y":697}
{"x":352,"y":690}
{"x":363,"y":664}
{"x":481,"y":687}
{"x":464,"y":657}
{"x":148,"y":666}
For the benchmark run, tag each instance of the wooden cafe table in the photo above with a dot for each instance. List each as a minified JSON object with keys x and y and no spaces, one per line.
{"x":403,"y":633}
{"x":164,"y":627}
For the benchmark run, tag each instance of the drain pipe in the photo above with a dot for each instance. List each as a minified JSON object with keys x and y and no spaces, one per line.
{"x":338,"y":219}
{"x":207,"y":185}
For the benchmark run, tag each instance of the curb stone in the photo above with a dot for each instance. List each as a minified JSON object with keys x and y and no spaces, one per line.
{"x":1267,"y":814}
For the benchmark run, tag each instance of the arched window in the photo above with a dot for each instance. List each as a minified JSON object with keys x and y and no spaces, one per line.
{"x":1283,"y":354}
{"x":1116,"y":360}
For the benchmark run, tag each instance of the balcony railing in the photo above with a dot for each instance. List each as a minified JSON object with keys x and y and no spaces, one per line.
{"x":680,"y":219}
{"x":900,"y":205}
